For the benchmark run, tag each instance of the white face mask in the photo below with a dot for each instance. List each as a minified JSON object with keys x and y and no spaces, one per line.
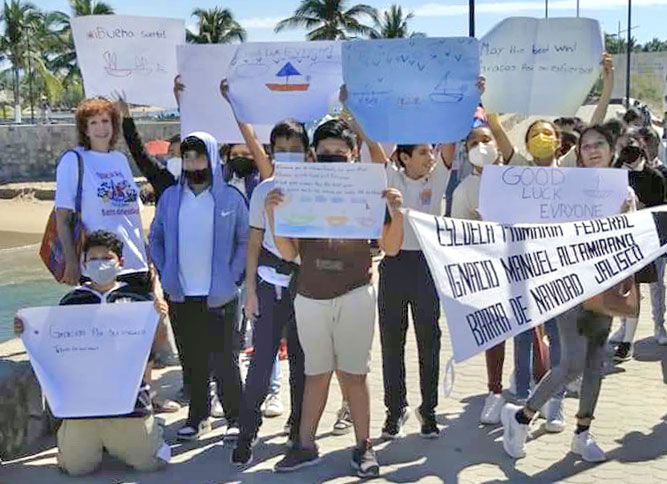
{"x":102,"y":272}
{"x":289,"y":157}
{"x":174,"y":166}
{"x":483,"y":154}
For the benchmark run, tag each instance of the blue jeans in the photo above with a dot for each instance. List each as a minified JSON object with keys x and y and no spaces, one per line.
{"x":523,"y":357}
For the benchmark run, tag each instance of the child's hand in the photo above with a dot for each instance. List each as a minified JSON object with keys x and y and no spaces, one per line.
{"x":274,"y":198}
{"x":394,"y":201}
{"x":19,"y":327}
{"x":161,"y":307}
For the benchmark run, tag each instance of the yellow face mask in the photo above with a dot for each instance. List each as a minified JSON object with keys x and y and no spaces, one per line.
{"x":542,"y":146}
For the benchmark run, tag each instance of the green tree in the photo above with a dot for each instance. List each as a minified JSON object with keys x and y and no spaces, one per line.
{"x":655,"y":45}
{"x":215,"y":26}
{"x":392,"y":24}
{"x":330,"y":19}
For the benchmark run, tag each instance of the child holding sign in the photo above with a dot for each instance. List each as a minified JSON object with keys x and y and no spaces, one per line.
{"x":135,"y":439}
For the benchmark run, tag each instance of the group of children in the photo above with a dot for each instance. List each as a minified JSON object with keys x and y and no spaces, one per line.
{"x":214,"y":249}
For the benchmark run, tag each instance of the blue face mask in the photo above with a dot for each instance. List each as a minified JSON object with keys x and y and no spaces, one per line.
{"x":289,"y":157}
{"x":103,"y":271}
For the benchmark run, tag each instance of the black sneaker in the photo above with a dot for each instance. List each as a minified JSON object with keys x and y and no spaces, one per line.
{"x":393,"y":428}
{"x":623,"y":352}
{"x":364,"y":461}
{"x":242,"y":454}
{"x":429,"y":428}
{"x":297,"y":458}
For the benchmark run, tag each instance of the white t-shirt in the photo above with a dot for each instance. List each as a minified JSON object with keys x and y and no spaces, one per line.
{"x":425,"y":195}
{"x":259,"y":220}
{"x":195,"y":241}
{"x":109,"y":201}
{"x":239,"y":184}
{"x":465,"y":200}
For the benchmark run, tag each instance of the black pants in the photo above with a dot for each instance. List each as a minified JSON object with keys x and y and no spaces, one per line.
{"x":405,"y":280}
{"x":276,"y":312}
{"x":210,"y":343}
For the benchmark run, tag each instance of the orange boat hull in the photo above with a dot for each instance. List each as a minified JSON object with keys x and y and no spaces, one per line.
{"x":288,"y":87}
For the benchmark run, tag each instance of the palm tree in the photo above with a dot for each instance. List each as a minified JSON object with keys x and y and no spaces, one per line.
{"x":329,"y":19}
{"x":655,"y":45}
{"x":393,"y":25}
{"x":215,"y":26}
{"x":18,"y":18}
{"x":90,"y":7}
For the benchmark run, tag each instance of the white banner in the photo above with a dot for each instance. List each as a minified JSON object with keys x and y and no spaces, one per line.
{"x":331,"y":200}
{"x":496,"y":281}
{"x":132,"y":54}
{"x":90,"y":359}
{"x":202,"y":67}
{"x":540,"y":66}
{"x":273,"y":81}
{"x":532,"y":194}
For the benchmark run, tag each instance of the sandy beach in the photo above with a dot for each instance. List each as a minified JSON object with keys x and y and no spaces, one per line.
{"x":22,"y":222}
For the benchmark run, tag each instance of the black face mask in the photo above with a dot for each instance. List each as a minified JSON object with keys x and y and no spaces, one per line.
{"x":331,"y":159}
{"x":198,"y":177}
{"x":629,"y":155}
{"x":241,"y":166}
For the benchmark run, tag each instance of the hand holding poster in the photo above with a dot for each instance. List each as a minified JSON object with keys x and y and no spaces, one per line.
{"x":272,"y":81}
{"x":540,"y":66}
{"x":331,"y":200}
{"x":496,"y":281}
{"x":529,"y":194}
{"x":413,"y":91}
{"x":203,"y":108}
{"x":136,"y":55}
{"x":89,"y":359}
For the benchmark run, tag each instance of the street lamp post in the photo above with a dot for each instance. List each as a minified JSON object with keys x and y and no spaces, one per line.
{"x":546,"y":8}
{"x":471,"y":18}
{"x":629,"y":53}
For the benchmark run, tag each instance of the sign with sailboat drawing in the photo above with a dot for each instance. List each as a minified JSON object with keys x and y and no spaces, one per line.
{"x":269,"y":82}
{"x":410,"y":91}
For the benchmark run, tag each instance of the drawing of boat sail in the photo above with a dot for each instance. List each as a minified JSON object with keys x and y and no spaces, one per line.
{"x":287,"y":71}
{"x":441,"y":93}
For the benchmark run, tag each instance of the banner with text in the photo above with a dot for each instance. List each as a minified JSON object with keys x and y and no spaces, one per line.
{"x":132,"y":54}
{"x":90,"y":359}
{"x":203,"y":108}
{"x":540,"y":66}
{"x":410,"y":91}
{"x":496,"y":281}
{"x":273,"y":81}
{"x":533,"y":194}
{"x":331,"y":200}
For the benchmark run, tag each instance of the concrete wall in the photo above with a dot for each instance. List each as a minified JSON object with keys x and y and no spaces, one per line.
{"x":29,"y":152}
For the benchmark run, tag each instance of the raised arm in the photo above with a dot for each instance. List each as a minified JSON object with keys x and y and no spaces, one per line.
{"x":504,"y":144}
{"x":392,"y":232}
{"x":262,"y":159}
{"x":377,"y":151}
{"x":607,"y":87}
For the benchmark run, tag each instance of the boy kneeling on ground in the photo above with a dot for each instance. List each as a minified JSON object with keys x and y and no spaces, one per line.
{"x":136,"y":438}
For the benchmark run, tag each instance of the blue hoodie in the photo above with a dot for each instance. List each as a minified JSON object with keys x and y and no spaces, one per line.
{"x":230,"y":235}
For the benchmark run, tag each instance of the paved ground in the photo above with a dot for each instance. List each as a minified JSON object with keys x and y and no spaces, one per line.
{"x":631,"y":426}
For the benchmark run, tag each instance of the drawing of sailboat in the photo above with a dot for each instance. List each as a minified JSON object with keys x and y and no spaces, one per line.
{"x":443,"y":95}
{"x":287,"y":71}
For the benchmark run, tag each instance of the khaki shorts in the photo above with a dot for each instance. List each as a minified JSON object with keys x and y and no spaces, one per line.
{"x":337,"y":334}
{"x":135,"y":441}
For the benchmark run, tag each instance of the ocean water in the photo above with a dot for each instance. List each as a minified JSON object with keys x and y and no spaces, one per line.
{"x":24,"y":283}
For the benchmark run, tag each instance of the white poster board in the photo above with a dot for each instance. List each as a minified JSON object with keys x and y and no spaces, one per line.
{"x":496,"y":281}
{"x":540,"y":66}
{"x":202,"y":67}
{"x":532,"y":194}
{"x":331,"y":200}
{"x":273,"y":81}
{"x":136,"y":55}
{"x":90,"y":358}
{"x":411,"y":91}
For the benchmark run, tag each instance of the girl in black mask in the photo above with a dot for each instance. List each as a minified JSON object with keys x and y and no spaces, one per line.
{"x":239,"y":169}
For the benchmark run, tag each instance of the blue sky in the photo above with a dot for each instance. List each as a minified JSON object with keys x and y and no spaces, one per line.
{"x":434,"y":17}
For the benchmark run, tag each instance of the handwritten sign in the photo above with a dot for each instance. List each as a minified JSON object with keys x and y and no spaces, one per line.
{"x":530,"y":194}
{"x":132,"y":54}
{"x":413,"y":91}
{"x":272,"y":81}
{"x":540,"y":66}
{"x":202,"y":67}
{"x":496,"y":281}
{"x":331,"y":200}
{"x":89,"y":359}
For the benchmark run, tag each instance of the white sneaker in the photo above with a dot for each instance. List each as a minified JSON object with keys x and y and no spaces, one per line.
{"x":554,"y":414}
{"x":273,"y":407}
{"x":493,"y":405}
{"x":216,"y":407}
{"x":514,"y":433}
{"x":188,"y":432}
{"x":661,"y":335}
{"x":584,"y":444}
